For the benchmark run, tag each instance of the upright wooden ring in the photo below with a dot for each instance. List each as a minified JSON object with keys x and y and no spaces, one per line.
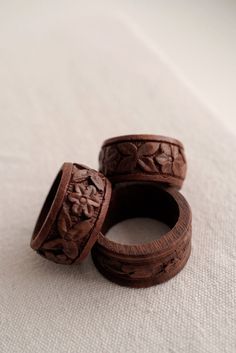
{"x":147,"y":264}
{"x":143,"y":158}
{"x":72,"y":215}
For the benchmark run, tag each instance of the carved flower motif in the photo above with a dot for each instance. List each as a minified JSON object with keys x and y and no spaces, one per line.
{"x":179,"y":164}
{"x":71,"y":237}
{"x":171,"y":160}
{"x":165,"y":158}
{"x":84,"y":199}
{"x":109,"y":158}
{"x":68,"y":246}
{"x":134,"y":156}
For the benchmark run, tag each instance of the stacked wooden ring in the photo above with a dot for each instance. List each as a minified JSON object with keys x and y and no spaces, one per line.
{"x":139,"y":177}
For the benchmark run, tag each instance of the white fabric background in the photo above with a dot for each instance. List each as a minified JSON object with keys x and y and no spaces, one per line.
{"x":72,"y":74}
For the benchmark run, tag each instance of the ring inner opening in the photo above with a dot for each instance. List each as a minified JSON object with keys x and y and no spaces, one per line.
{"x":47,"y":204}
{"x":139,"y":213}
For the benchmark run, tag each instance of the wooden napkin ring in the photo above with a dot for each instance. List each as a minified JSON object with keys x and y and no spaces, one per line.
{"x":143,"y":158}
{"x":147,"y":264}
{"x":72,"y":215}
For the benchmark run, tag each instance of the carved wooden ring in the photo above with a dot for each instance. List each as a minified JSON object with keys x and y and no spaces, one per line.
{"x":72,"y":215}
{"x":145,"y":158}
{"x":147,"y":264}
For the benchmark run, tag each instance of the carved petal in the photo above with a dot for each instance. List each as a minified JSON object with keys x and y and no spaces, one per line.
{"x":127,"y":164}
{"x":179,"y":167}
{"x":147,"y":164}
{"x":111,"y":160}
{"x":166,"y":168}
{"x":80,"y":174}
{"x":148,"y":148}
{"x":162,"y":159}
{"x":53,"y":244}
{"x":77,"y":209}
{"x":88,"y":210}
{"x":111,"y":153}
{"x":94,"y":202}
{"x":74,"y":197}
{"x":165,"y":147}
{"x":127,"y":148}
{"x":80,"y":189}
{"x":90,"y":191}
{"x":64,"y":222}
{"x":80,"y":230}
{"x":70,"y":249}
{"x":97,"y":181}
{"x":175,"y":151}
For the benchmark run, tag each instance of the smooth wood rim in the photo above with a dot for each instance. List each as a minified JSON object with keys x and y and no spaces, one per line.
{"x":141,"y":137}
{"x":41,"y":234}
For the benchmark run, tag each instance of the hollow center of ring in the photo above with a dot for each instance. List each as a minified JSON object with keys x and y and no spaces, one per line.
{"x":137,"y":231}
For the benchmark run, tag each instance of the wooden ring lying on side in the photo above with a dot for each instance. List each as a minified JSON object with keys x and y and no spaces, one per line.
{"x":72,"y":215}
{"x":147,"y":264}
{"x":143,"y":158}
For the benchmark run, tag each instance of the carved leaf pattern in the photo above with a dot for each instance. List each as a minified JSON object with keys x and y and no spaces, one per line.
{"x":134,"y":156}
{"x":60,"y":258}
{"x":111,"y":157}
{"x":179,"y":166}
{"x":165,"y":158}
{"x":147,"y":164}
{"x":127,"y":164}
{"x":150,"y":157}
{"x":79,"y":175}
{"x":75,"y":219}
{"x":80,"y":230}
{"x":70,"y":249}
{"x":138,"y":271}
{"x":148,"y":149}
{"x":127,"y":148}
{"x":97,"y":182}
{"x":64,"y":221}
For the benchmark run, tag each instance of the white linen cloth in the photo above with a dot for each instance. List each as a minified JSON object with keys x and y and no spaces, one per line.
{"x":72,"y":74}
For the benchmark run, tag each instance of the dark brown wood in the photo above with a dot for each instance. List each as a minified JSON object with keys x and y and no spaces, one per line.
{"x":143,"y":158}
{"x":72,"y":215}
{"x":147,"y":264}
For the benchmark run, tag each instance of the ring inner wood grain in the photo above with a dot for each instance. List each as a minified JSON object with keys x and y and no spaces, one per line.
{"x":47,"y":204}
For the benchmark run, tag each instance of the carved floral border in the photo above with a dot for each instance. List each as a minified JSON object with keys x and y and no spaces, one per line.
{"x":76,"y":218}
{"x":138,"y":156}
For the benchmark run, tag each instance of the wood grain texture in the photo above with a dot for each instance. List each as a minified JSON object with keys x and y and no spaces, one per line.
{"x":72,"y":215}
{"x":145,"y":264}
{"x":143,"y":157}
